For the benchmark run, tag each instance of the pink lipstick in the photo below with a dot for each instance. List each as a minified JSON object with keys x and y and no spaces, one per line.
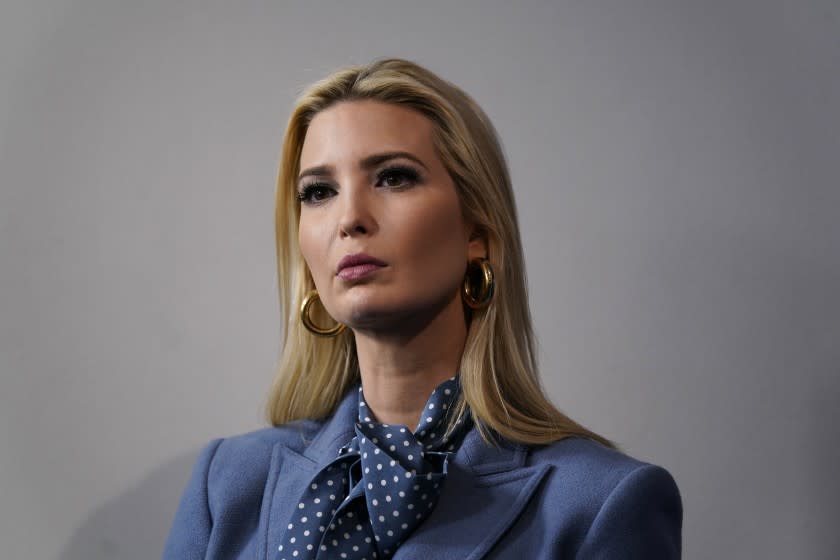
{"x":357,"y":265}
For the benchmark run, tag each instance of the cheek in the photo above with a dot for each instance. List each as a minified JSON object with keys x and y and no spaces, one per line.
{"x":437,"y":239}
{"x":311,"y":246}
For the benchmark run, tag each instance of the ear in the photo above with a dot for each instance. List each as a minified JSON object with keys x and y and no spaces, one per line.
{"x":477,"y":244}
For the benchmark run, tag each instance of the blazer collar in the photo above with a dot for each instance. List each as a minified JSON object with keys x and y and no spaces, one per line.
{"x":475,"y":454}
{"x":338,"y":430}
{"x":486,"y":489}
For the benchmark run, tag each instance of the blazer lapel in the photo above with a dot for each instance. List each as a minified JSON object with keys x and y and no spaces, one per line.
{"x":291,"y":471}
{"x":486,"y":490}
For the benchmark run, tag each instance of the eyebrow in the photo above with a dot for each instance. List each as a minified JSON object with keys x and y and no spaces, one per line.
{"x":367,"y":163}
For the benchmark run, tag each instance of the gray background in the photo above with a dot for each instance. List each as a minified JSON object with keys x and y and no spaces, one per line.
{"x":676,"y":169}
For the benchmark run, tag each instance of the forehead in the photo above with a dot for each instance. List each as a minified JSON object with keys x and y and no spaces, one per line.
{"x":351,"y":130}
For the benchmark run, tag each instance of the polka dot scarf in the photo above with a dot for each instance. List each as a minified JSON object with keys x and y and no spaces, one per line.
{"x":382,"y":485}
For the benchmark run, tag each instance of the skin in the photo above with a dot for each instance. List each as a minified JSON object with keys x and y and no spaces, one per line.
{"x":407,"y":317}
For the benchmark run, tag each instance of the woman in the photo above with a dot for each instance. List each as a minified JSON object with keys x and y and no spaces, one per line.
{"x":397,"y":241}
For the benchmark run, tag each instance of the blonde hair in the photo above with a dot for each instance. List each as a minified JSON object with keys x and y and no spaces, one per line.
{"x":498,"y":373}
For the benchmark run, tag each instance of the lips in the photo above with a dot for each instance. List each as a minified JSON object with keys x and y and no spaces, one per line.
{"x":357,"y":265}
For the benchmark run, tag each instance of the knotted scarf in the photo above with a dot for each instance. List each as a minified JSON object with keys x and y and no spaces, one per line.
{"x":380,"y":487}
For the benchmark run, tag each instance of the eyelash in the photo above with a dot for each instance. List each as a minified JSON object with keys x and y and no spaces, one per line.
{"x":304,"y":196}
{"x":408,"y":175}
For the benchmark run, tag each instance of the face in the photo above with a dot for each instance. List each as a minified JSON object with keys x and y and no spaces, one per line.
{"x":381,"y":227}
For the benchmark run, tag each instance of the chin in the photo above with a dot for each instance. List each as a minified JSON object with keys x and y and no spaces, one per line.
{"x":372,"y":315}
{"x":375,"y":310}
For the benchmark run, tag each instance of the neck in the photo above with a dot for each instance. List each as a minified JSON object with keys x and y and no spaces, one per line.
{"x":400,"y":369}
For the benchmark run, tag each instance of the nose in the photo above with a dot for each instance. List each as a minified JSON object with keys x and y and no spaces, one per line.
{"x":357,"y":214}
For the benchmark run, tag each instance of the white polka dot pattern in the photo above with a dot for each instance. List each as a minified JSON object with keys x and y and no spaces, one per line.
{"x":382,"y":485}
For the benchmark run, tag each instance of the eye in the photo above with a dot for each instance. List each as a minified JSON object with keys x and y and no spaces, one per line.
{"x":397,"y":177}
{"x":315,"y":193}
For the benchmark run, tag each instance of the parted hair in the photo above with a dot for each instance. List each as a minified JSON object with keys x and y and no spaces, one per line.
{"x":498,"y":370}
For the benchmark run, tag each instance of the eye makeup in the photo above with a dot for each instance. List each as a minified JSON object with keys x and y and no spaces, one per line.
{"x":394,"y":176}
{"x":407,"y":175}
{"x":314,"y":192}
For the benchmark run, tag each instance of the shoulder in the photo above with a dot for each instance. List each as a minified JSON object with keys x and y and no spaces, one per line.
{"x":238,"y":466}
{"x":221,"y":502}
{"x":241,"y":462}
{"x":252,"y":450}
{"x":613,"y":502}
{"x":588,"y":464}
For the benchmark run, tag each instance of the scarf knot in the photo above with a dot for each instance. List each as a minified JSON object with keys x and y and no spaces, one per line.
{"x":382,"y":485}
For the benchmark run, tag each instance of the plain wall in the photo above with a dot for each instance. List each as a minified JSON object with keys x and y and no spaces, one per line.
{"x":676,"y":170}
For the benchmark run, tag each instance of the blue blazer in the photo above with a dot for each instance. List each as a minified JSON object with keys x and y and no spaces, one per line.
{"x":571,"y":499}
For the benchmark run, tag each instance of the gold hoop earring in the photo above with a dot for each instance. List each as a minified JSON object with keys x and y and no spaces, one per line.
{"x":311,"y":298}
{"x":478,"y":296}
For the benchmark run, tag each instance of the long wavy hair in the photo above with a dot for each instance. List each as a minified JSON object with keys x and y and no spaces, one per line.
{"x":498,"y":370}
